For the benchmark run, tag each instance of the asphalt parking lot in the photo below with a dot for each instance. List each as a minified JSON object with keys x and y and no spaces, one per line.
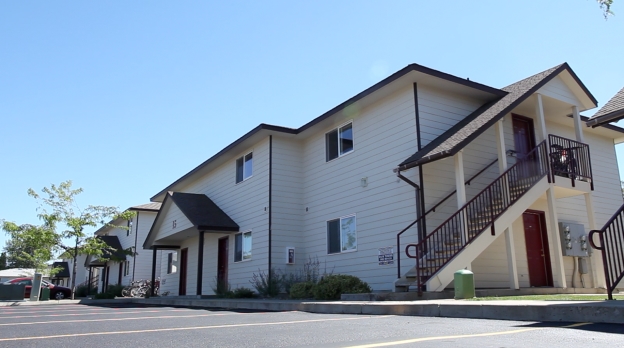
{"x":145,"y":326}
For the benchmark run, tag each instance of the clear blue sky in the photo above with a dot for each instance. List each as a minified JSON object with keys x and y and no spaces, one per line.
{"x":124,"y":97}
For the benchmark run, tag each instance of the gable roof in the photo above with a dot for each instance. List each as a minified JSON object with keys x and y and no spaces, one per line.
{"x":465,"y":131}
{"x":200,"y":210}
{"x":116,"y":254}
{"x":495,"y":92}
{"x":64,"y":272}
{"x":612,"y":111}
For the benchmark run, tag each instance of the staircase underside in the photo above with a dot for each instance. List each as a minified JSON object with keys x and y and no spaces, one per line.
{"x":444,"y":276}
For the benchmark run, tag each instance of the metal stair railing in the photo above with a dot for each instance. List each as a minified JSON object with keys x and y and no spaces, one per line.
{"x":612,"y":249}
{"x":452,"y":236}
{"x":431,"y":210}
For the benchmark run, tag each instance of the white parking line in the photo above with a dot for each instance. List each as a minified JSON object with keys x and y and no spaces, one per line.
{"x":189,"y":328}
{"x":63,"y":314}
{"x":116,"y":319}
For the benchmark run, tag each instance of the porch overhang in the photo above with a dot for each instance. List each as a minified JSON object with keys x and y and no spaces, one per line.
{"x":186,"y":215}
{"x":114,"y":252}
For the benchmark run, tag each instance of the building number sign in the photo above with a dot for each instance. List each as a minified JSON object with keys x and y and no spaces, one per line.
{"x":175,"y":224}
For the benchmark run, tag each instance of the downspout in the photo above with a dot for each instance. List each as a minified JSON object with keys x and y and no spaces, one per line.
{"x":136,"y":236}
{"x":270,"y":205}
{"x":420,"y":196}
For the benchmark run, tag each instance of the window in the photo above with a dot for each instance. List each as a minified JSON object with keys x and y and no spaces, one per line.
{"x":341,"y":235}
{"x":339,"y":142}
{"x":244,"y":167}
{"x":242,"y":246}
{"x":172,"y":258}
{"x":126,"y":268}
{"x":129,"y":228}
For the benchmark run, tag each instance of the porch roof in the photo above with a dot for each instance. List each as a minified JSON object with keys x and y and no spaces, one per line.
{"x":64,"y":272}
{"x":612,"y":111}
{"x":465,"y":131}
{"x":114,"y":251}
{"x":201,"y":212}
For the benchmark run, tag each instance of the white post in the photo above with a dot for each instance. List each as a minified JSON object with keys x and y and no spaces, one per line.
{"x":461,"y":193}
{"x":541,"y":122}
{"x":459,"y":179}
{"x":598,"y":277}
{"x":578,"y":126}
{"x":509,"y":239}
{"x":553,"y":237}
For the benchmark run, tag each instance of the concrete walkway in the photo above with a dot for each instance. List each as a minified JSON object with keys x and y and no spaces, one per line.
{"x":567,"y":311}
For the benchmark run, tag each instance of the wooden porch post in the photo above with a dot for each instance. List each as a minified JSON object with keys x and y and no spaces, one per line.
{"x":541,"y":121}
{"x":153,"y":284}
{"x":200,"y":262}
{"x":598,"y":277}
{"x":461,"y":192}
{"x":578,"y":128}
{"x":553,"y":237}
{"x":509,"y":238}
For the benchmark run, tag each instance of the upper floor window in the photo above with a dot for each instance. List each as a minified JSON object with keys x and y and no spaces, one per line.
{"x":244,"y":167}
{"x":339,"y":141}
{"x":341,"y":235}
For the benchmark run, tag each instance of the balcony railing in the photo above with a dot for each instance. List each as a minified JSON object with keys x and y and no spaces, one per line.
{"x":570,"y":159}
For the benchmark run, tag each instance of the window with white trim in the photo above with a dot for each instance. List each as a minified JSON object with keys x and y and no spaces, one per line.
{"x":339,"y":142}
{"x":242,"y":246}
{"x":341,"y":235}
{"x":172,"y":258}
{"x":244,"y":167}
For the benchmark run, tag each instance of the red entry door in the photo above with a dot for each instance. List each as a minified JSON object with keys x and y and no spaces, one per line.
{"x":524,"y":142}
{"x":538,"y":254}
{"x":183,"y":267}
{"x":222,"y":261}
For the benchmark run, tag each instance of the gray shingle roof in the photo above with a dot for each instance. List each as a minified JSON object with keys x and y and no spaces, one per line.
{"x":458,"y":136}
{"x":612,"y":111}
{"x":149,"y":206}
{"x":202,"y":212}
{"x":64,"y":272}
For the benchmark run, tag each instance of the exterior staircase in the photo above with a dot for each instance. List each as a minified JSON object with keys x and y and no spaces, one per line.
{"x":611,"y":238}
{"x":461,"y":238}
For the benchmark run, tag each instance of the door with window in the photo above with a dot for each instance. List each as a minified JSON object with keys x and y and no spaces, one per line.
{"x":538,"y":253}
{"x":183,"y":268}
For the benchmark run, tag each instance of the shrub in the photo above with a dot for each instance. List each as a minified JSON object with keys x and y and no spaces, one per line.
{"x":110,"y":293}
{"x":222,"y":289}
{"x":243,"y":292}
{"x":332,"y":286}
{"x":302,"y":290}
{"x":310,"y":272}
{"x":264,"y":286}
{"x":81,"y":291}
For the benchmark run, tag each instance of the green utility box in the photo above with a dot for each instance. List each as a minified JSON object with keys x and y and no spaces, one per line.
{"x":45,"y":294}
{"x":464,"y":284}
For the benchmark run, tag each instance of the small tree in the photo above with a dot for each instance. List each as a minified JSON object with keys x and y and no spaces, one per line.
{"x":58,"y":207}
{"x":30,"y":246}
{"x":605,"y":5}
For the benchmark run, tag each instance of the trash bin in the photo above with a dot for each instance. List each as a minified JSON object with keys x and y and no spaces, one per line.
{"x":45,"y":294}
{"x":464,"y":284}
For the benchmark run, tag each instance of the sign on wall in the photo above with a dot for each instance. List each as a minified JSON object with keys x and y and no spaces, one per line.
{"x":386,"y":256}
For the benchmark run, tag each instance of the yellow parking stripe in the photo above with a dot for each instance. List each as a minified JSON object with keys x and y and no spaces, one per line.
{"x":434,"y":338}
{"x":188,"y":328}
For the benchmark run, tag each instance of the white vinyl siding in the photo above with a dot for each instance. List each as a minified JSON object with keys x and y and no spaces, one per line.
{"x":386,"y":136}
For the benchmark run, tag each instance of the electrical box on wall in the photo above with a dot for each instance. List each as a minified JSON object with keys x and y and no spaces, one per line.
{"x":290,"y":255}
{"x":574,"y":239}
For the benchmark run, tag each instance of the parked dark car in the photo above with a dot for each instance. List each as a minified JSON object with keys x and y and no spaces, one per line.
{"x":56,"y":291}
